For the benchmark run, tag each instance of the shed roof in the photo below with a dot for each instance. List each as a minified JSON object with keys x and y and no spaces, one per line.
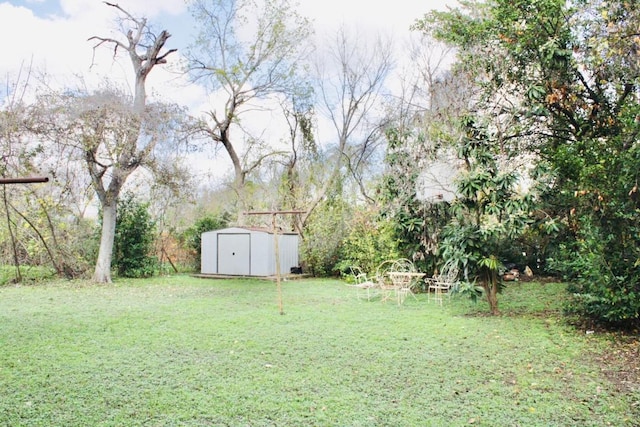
{"x":257,"y":229}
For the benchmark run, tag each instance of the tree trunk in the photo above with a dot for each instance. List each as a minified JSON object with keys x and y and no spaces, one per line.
{"x":102,"y":272}
{"x":492,"y":297}
{"x":491,"y":290}
{"x":239,"y":188}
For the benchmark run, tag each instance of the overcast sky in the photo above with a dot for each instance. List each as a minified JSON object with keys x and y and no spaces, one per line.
{"x":52,"y":35}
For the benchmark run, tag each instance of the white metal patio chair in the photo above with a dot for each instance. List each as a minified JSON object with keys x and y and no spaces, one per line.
{"x":442,"y":283}
{"x":397,"y":278}
{"x":383,"y":279}
{"x":363,"y":283}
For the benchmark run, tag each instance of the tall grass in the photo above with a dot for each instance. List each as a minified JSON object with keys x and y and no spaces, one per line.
{"x":28,"y":274}
{"x":185,"y":351}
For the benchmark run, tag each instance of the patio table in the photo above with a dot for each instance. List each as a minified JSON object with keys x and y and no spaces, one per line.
{"x":403,"y":283}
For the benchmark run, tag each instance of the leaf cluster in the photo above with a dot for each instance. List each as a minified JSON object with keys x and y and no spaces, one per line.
{"x":134,"y":239}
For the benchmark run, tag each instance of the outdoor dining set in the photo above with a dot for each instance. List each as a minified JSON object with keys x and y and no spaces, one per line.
{"x":399,"y":279}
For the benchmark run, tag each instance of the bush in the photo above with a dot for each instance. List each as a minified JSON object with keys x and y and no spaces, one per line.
{"x":370,"y":242}
{"x":192,"y":236}
{"x":603,"y":282}
{"x":134,"y":239}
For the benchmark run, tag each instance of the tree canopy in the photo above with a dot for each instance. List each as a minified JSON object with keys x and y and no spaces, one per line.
{"x":569,"y":71}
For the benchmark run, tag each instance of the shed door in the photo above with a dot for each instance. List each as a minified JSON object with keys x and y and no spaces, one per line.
{"x":234,"y":254}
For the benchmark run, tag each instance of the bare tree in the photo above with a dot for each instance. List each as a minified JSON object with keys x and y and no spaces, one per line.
{"x":112,"y":153}
{"x":352,"y":74}
{"x":287,"y":183}
{"x":247,"y":52}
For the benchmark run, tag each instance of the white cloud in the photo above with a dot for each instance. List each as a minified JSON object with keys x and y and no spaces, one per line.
{"x":56,"y":42}
{"x":394,"y":16}
{"x":151,"y":9}
{"x":59,"y":45}
{"x":82,"y":9}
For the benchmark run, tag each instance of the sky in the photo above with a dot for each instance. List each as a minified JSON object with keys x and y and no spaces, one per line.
{"x":53,"y":35}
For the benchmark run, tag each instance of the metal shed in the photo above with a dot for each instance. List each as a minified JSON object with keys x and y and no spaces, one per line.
{"x":239,"y":251}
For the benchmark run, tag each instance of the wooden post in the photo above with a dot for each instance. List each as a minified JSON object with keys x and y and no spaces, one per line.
{"x":276,"y":247}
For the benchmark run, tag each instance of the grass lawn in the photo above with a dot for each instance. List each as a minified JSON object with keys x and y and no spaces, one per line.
{"x":182,"y":351}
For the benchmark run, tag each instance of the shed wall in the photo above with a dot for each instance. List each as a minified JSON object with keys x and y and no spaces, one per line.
{"x":209,"y":253}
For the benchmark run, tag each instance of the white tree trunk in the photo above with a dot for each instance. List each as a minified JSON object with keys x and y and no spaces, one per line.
{"x":102,"y":272}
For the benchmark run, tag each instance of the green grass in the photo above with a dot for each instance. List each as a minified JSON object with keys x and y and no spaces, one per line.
{"x":180,"y":351}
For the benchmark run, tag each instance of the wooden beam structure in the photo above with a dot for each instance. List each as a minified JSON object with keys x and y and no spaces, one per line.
{"x":291,"y":212}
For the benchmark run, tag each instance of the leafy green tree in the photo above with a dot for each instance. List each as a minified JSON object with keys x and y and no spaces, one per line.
{"x":134,"y":238}
{"x":573,"y":67}
{"x":489,"y":213}
{"x":369,"y":242}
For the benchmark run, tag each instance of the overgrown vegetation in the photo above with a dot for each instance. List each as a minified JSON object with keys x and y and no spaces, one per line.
{"x":534,"y":124}
{"x":28,"y":274}
{"x":324,"y":236}
{"x":134,"y":238}
{"x":192,"y":236}
{"x":179,"y":350}
{"x":369,"y":243}
{"x":557,"y":84}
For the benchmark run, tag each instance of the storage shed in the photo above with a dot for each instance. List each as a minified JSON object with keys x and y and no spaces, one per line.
{"x":239,"y":251}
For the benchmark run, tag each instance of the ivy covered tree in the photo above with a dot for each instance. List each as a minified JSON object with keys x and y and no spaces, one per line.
{"x":134,"y":238}
{"x":324,"y":235}
{"x":414,"y":222}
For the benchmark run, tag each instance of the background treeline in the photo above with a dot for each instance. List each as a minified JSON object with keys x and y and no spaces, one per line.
{"x":532,"y":108}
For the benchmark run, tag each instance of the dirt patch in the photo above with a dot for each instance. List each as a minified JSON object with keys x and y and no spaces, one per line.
{"x":621,"y":363}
